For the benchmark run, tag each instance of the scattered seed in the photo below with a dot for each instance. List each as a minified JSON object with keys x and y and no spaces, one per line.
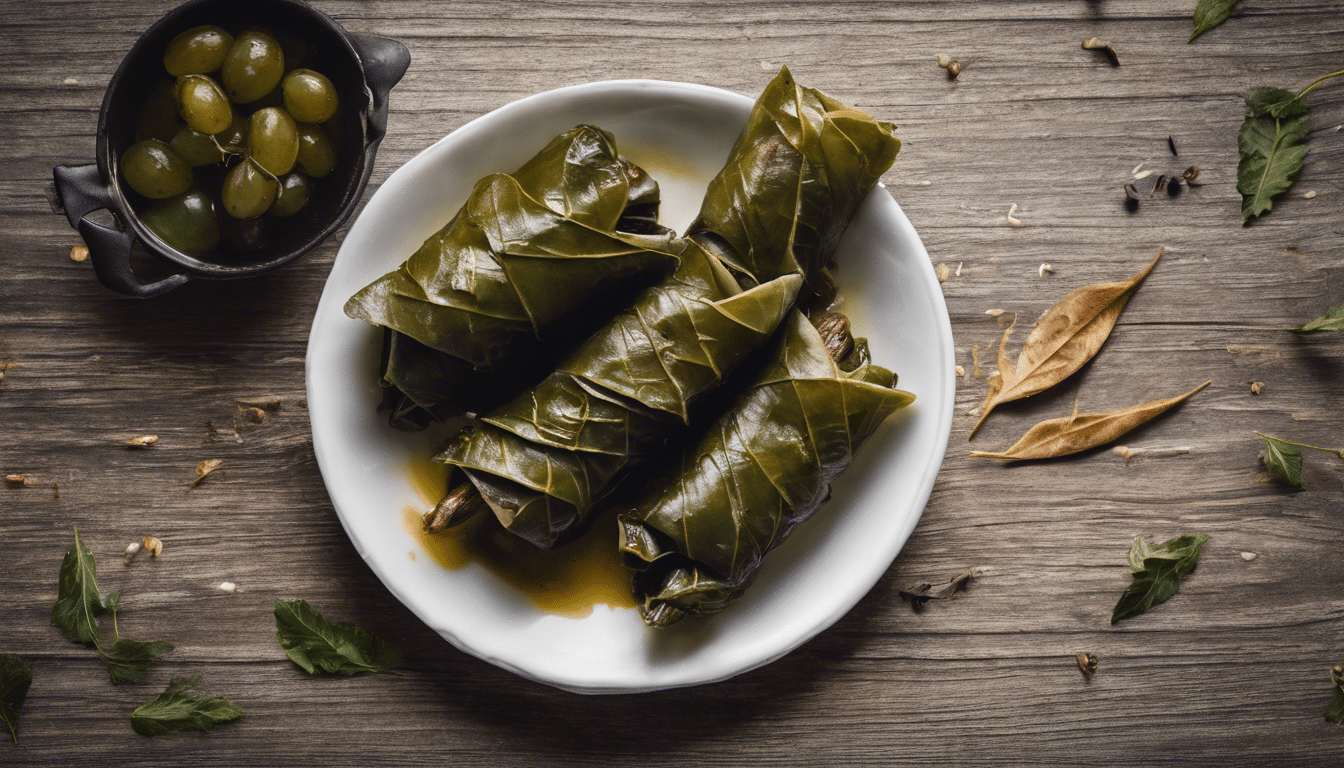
{"x":943,"y":60}
{"x":1137,"y":168}
{"x":1131,"y":193}
{"x":132,"y":550}
{"x":228,"y":586}
{"x":1190,"y":174}
{"x":961,"y":372}
{"x":1257,"y":387}
{"x":1146,"y":174}
{"x":143,"y":441}
{"x":152,"y":545}
{"x":79,"y":253}
{"x":954,"y":69}
{"x":1309,"y":195}
{"x":1173,"y":187}
{"x":1045,"y":268}
{"x":975,"y":361}
{"x":1248,"y":556}
{"x":20,"y":481}
{"x":1012,"y":221}
{"x":993,"y":312}
{"x":252,"y":414}
{"x":942,"y":271}
{"x":1160,"y":186}
{"x":268,"y":404}
{"x":959,"y":263}
{"x":1097,"y":44}
{"x":1171,"y":144}
{"x":203,"y":469}
{"x":1087,"y":663}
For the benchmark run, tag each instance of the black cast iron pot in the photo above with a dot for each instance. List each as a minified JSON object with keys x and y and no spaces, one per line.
{"x":363,"y":69}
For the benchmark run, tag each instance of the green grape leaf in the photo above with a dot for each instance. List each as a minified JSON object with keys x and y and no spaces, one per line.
{"x":177,"y":710}
{"x":1332,"y":320}
{"x":1334,"y":711}
{"x":129,"y":659}
{"x":1211,"y":13}
{"x":1272,"y":143}
{"x":15,"y":678}
{"x":1164,"y":565}
{"x":78,"y":600}
{"x":1283,"y":460}
{"x":312,"y":642}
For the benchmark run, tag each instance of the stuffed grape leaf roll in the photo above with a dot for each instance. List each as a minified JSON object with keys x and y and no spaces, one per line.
{"x":694,"y":530}
{"x":793,"y":181}
{"x":543,"y":459}
{"x":534,"y":260}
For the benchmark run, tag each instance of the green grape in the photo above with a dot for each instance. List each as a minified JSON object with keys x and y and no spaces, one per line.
{"x":248,"y":191}
{"x":317,"y":153}
{"x":203,"y":104}
{"x":200,"y":149}
{"x":198,"y":51}
{"x":159,"y":119}
{"x":186,"y":222}
{"x":273,"y":140}
{"x":253,"y":66}
{"x":154,"y":170}
{"x":292,"y":197}
{"x":243,"y":234}
{"x":309,"y":96}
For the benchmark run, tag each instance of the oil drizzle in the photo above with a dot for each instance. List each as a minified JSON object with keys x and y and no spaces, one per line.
{"x":568,"y":581}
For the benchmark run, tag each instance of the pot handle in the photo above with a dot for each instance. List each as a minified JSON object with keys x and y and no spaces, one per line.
{"x":385,"y":61}
{"x":81,"y":191}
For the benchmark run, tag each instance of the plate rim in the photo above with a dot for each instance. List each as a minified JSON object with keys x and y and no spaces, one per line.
{"x":876,"y":567}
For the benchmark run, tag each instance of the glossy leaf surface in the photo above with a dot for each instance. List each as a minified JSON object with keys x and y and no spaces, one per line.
{"x":798,"y":172}
{"x":697,"y":532}
{"x":1157,"y":570}
{"x":530,"y":261}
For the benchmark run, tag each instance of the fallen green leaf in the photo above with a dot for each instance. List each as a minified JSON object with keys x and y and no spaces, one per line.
{"x":1332,"y":320}
{"x":15,"y":678}
{"x":1283,"y":460}
{"x":1163,"y":567}
{"x":129,"y":659}
{"x":1334,"y":711}
{"x":1211,"y":13}
{"x":1272,"y":144}
{"x":78,"y":600}
{"x":312,"y":642}
{"x":177,"y":710}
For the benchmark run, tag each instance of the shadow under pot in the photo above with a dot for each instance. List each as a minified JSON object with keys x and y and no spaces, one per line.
{"x":361,"y":68}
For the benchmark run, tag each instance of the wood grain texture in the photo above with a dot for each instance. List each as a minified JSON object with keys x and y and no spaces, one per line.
{"x":1232,"y":671}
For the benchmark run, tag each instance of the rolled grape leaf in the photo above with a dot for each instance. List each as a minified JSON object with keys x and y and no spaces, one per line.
{"x":696,"y":533}
{"x":542,"y":459}
{"x":793,"y":181}
{"x":534,"y":260}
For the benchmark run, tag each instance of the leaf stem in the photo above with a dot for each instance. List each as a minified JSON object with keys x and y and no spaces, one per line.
{"x":1337,"y":452}
{"x":1304,"y":92}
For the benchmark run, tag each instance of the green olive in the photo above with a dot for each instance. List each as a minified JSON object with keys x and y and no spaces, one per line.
{"x":154,"y":170}
{"x":243,"y":234}
{"x":200,"y":149}
{"x":317,"y":153}
{"x":309,"y":96}
{"x":248,"y":191}
{"x":292,"y":197}
{"x":203,"y":104}
{"x":186,"y":222}
{"x":273,"y":140}
{"x":159,"y":118}
{"x":253,"y":67}
{"x":198,"y":51}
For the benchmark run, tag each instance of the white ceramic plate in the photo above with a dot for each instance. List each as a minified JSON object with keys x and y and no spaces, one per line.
{"x":681,"y":134}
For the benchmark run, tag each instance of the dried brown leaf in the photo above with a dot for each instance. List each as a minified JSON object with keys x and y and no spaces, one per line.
{"x":204,"y":469}
{"x":1064,"y":339}
{"x":20,"y":481}
{"x":921,"y":593}
{"x":1081,"y":431}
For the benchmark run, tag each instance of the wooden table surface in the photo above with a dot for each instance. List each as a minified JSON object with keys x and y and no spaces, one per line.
{"x":1232,"y":671}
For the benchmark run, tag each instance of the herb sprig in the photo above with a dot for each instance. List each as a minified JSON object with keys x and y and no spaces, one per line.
{"x":1283,"y":458}
{"x":1272,"y":143}
{"x":1158,"y":570}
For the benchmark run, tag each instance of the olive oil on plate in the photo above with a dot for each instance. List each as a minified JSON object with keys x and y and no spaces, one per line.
{"x":569,"y":580}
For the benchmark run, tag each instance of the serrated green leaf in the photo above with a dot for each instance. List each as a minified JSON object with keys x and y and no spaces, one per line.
{"x":78,"y":600}
{"x":1211,"y":13}
{"x":1283,"y":460}
{"x":177,"y":710}
{"x":15,"y":678}
{"x":1332,"y":320}
{"x":1272,"y":143}
{"x":312,"y":642}
{"x":129,"y":659}
{"x":1164,"y":565}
